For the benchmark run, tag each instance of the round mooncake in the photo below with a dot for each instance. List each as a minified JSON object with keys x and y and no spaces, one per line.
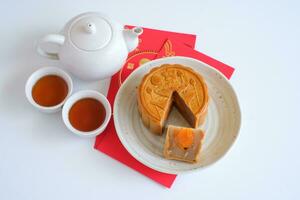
{"x":171,"y":84}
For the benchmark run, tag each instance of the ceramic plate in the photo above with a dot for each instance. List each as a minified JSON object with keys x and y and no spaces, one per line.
{"x":221,"y":127}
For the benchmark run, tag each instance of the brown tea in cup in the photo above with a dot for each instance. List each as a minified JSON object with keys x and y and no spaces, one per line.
{"x":87,"y":114}
{"x":49,"y":90}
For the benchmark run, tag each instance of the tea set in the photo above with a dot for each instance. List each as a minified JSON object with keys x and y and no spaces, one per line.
{"x":92,"y":47}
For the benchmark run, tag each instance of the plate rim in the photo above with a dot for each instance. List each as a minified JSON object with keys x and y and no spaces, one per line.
{"x":172,"y":58}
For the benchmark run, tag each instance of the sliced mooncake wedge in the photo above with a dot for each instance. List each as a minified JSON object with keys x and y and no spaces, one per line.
{"x":183,"y":143}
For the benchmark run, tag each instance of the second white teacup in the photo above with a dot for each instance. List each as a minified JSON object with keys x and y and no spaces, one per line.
{"x":85,"y":114}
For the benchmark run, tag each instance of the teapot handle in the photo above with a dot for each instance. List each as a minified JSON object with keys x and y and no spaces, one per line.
{"x":51,"y":38}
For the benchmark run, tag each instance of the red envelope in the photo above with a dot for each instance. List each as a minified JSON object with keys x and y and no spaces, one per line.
{"x":150,"y":42}
{"x":174,"y":48}
{"x":108,"y":141}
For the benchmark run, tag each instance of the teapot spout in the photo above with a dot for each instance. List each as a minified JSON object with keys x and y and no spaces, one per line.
{"x":131,"y":37}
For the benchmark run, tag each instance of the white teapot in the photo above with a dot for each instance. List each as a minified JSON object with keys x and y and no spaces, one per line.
{"x":92,"y":46}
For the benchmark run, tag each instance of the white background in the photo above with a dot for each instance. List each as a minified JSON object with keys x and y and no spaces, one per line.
{"x":41,"y":159}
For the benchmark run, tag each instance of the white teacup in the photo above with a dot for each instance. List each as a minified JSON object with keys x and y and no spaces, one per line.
{"x":38,"y":75}
{"x":82,"y":95}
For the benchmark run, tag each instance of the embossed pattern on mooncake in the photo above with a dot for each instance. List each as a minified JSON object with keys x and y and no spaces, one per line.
{"x":160,"y":84}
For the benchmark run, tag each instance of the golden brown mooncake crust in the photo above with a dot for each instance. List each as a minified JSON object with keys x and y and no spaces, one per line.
{"x":168,"y":84}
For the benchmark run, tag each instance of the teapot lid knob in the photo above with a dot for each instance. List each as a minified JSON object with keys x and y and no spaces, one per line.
{"x":90,"y":32}
{"x":90,"y":27}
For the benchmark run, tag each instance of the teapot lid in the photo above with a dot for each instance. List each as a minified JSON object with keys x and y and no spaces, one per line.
{"x":90,"y":32}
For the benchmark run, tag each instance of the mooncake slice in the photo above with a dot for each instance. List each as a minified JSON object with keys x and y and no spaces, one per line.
{"x":183,"y":144}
